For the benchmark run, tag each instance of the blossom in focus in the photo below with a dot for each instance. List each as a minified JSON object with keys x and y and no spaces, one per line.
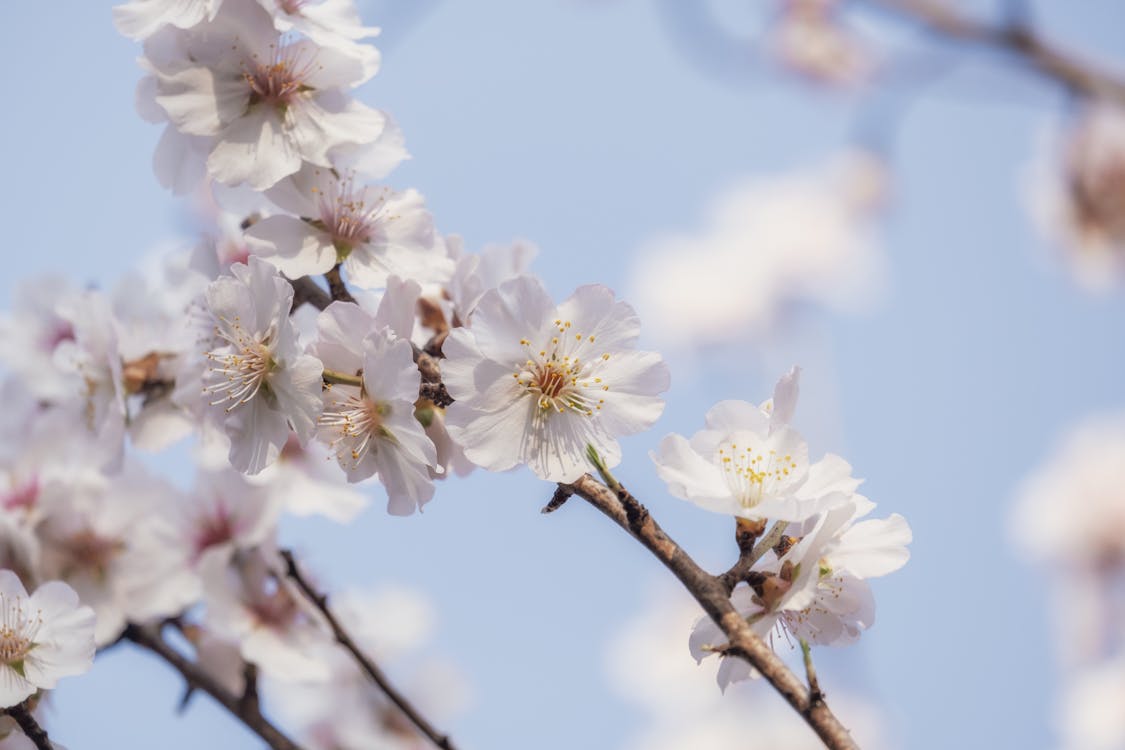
{"x":267,"y":104}
{"x":43,"y":637}
{"x":749,"y":462}
{"x":817,"y":590}
{"x":372,"y":429}
{"x":535,"y":383}
{"x":374,"y":232}
{"x":255,"y":381}
{"x":771,"y":244}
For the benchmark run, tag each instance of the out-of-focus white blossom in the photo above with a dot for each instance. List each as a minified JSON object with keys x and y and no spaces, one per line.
{"x":1076,"y":189}
{"x":770,"y":244}
{"x":649,"y":668}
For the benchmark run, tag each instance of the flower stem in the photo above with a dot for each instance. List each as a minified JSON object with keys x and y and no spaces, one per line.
{"x":332,"y":377}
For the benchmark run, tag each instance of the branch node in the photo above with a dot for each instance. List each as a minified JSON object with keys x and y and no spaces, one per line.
{"x":562,"y":494}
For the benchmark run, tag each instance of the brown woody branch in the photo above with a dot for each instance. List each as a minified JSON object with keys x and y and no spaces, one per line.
{"x":712,"y":594}
{"x":244,"y":707}
{"x":370,"y":668}
{"x":1015,"y":37}
{"x":21,"y":714}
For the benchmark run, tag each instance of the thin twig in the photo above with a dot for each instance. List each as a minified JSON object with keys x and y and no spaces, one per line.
{"x":628,"y":513}
{"x":320,"y":601}
{"x":815,"y":696}
{"x":22,"y":716}
{"x":245,"y":710}
{"x":1014,"y":37}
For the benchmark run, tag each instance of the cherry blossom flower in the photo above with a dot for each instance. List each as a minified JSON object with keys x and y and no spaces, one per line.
{"x":771,"y":244}
{"x":1077,"y":195}
{"x":373,"y":232}
{"x":271,"y":622}
{"x":139,"y":19}
{"x":372,"y":428}
{"x":750,"y":463}
{"x":43,"y":637}
{"x":255,"y":381}
{"x":328,"y":23}
{"x":267,"y":103}
{"x":536,"y":383}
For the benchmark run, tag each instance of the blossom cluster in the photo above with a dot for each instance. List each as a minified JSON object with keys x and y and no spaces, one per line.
{"x":419,"y":362}
{"x":811,"y":582}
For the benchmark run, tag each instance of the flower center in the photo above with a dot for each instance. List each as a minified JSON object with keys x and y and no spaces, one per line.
{"x":351,"y":214}
{"x":87,"y":551}
{"x":754,"y":470}
{"x":559,"y":378}
{"x":278,"y":80}
{"x":357,"y":423}
{"x":17,"y":631}
{"x":240,"y":370}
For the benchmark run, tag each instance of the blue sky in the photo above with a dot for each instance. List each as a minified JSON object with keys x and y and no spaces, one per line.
{"x":588,"y":128}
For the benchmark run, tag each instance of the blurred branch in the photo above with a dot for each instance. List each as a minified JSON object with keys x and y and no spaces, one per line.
{"x":241,"y":706}
{"x":1015,"y":37}
{"x":21,"y":714}
{"x":628,"y":513}
{"x":370,"y":668}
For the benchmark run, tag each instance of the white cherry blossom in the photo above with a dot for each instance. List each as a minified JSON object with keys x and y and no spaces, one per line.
{"x":535,"y":382}
{"x":256,"y":382}
{"x":372,"y":428}
{"x":749,"y":462}
{"x":267,"y":103}
{"x":374,"y":232}
{"x":43,"y":637}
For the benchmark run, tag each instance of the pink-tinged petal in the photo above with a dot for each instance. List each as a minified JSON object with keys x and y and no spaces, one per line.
{"x":256,"y":149}
{"x":257,"y":434}
{"x":732,"y":416}
{"x":785,"y":398}
{"x":873,"y":548}
{"x":340,"y":330}
{"x":298,"y":391}
{"x":294,"y":246}
{"x":326,"y":120}
{"x":389,"y":372}
{"x":475,"y":433}
{"x":594,"y":311}
{"x":140,"y":18}
{"x":180,"y":161}
{"x":690,"y":476}
{"x":632,"y":380}
{"x":200,"y":101}
{"x":398,"y":307}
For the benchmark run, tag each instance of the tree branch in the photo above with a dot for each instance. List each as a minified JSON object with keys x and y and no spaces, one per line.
{"x":305,"y":290}
{"x":1015,"y":37}
{"x":30,"y":727}
{"x":624,"y":510}
{"x":320,"y":601}
{"x":336,"y":286}
{"x":240,"y":706}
